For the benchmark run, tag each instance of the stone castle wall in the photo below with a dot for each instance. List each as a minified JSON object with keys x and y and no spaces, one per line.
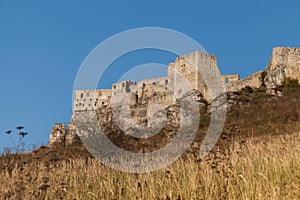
{"x":254,"y":81}
{"x":188,"y":68}
{"x":228,"y":78}
{"x":284,"y":62}
{"x":163,"y":91}
{"x":285,"y":57}
{"x":91,"y":99}
{"x":182,"y":76}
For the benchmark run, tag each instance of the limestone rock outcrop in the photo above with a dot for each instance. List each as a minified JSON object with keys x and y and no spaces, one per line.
{"x":61,"y":135}
{"x":284,"y":62}
{"x":151,"y":104}
{"x":58,"y":134}
{"x":72,"y":136}
{"x":275,"y":78}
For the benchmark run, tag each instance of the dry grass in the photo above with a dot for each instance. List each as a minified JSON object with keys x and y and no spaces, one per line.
{"x":253,"y":160}
{"x":266,"y":167}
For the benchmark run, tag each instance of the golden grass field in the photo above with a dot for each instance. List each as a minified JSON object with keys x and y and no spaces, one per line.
{"x":256,"y":157}
{"x":264,"y":167}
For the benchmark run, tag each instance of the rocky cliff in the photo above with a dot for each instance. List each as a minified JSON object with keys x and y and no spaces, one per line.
{"x":61,"y":135}
{"x":284,"y":62}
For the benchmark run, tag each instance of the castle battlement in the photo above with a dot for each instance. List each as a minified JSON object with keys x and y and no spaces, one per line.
{"x":284,"y":62}
{"x":156,"y":90}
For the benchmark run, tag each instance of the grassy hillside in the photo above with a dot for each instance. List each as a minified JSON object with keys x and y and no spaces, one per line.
{"x":257,"y":168}
{"x":257,"y":157}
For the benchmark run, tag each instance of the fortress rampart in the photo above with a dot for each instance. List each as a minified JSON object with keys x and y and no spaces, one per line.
{"x":284,"y":62}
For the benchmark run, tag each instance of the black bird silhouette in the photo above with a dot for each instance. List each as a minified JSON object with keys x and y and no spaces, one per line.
{"x":8,"y":132}
{"x":19,"y":127}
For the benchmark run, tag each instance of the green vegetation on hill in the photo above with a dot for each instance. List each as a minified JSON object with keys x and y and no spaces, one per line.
{"x":290,"y":83}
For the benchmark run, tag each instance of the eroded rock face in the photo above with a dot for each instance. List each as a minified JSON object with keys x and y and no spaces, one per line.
{"x":72,"y":136}
{"x":284,"y":62}
{"x":275,"y":78}
{"x":150,"y":129}
{"x":60,"y":135}
{"x":143,"y":110}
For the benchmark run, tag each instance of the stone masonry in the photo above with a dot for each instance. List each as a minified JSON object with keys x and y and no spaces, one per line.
{"x":142,"y":96}
{"x":284,"y":62}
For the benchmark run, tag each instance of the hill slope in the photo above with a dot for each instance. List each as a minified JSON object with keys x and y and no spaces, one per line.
{"x":257,"y":156}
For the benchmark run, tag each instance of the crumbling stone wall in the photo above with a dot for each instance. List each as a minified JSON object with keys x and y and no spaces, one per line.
{"x":183,"y":70}
{"x":120,"y":89}
{"x":181,"y":75}
{"x":254,"y":81}
{"x":163,"y":91}
{"x":147,"y":94}
{"x":151,"y":89}
{"x":284,"y":62}
{"x":91,"y":99}
{"x":228,"y":78}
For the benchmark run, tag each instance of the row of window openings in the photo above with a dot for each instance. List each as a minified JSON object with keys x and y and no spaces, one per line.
{"x":144,"y":84}
{"x":123,"y":85}
{"x":157,"y":82}
{"x":114,"y":86}
{"x":81,"y":104}
{"x":135,"y":92}
{"x":81,"y":95}
{"x":84,"y":100}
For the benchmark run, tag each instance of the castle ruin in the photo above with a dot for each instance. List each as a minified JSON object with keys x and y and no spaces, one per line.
{"x":156,"y":90}
{"x":284,"y":62}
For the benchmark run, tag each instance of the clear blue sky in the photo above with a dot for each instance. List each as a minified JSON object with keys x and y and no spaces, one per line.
{"x":43,"y":43}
